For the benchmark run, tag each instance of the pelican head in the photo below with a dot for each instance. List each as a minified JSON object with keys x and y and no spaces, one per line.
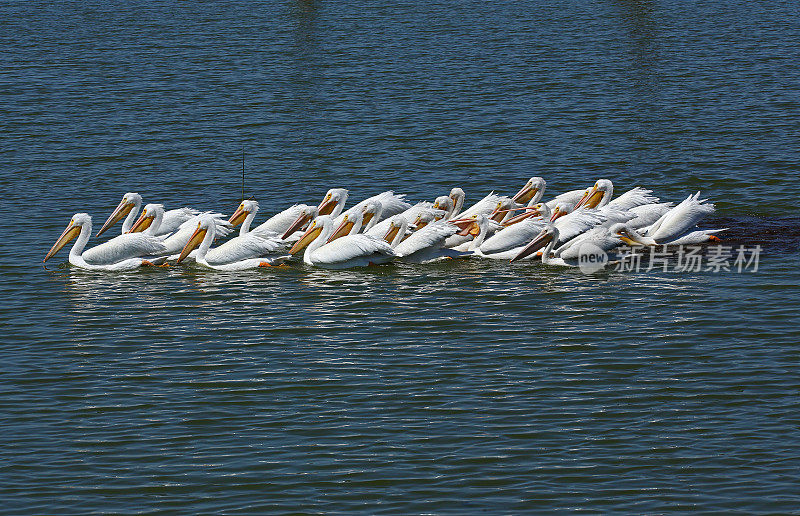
{"x":396,"y":224}
{"x":445,"y":204}
{"x":424,"y":218}
{"x":129,"y":200}
{"x":372,"y":211}
{"x":560,"y":210}
{"x":598,"y":195}
{"x":471,"y":226}
{"x":316,"y":227}
{"x":457,"y":195}
{"x":76,"y":224}
{"x":351,"y":222}
{"x":245,"y":208}
{"x":307,"y":214}
{"x":501,"y":210}
{"x":628,"y":235}
{"x":545,"y":237}
{"x":206,"y":224}
{"x":145,"y":220}
{"x":533,"y":188}
{"x":334,"y":198}
{"x":537,"y":210}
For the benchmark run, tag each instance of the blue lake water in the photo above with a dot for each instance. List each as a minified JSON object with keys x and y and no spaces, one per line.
{"x":450,"y":388}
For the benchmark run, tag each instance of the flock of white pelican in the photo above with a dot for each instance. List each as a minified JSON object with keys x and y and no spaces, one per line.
{"x":386,"y":228}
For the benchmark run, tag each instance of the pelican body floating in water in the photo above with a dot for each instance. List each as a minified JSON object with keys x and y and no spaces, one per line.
{"x":121,"y":253}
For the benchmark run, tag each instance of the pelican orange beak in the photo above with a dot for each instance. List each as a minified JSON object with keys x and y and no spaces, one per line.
{"x":144,"y":221}
{"x":497,"y":214}
{"x":462,"y":224}
{"x":530,"y":212}
{"x":197,"y":237}
{"x":309,"y":236}
{"x":419,"y":224}
{"x":327,"y":205}
{"x":525,"y":194}
{"x":238,"y":216}
{"x":453,"y":198}
{"x":467,"y":226}
{"x":590,"y":199}
{"x":297,"y":225}
{"x":630,"y":239}
{"x":391,"y":234}
{"x":367,"y":217}
{"x":557,"y":214}
{"x":123,"y":208}
{"x":69,"y":234}
{"x":541,"y":240}
{"x":344,"y":229}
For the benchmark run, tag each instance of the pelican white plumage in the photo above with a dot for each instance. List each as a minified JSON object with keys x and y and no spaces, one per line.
{"x":129,"y":208}
{"x":445,"y":203}
{"x":600,"y":194}
{"x":473,"y":232}
{"x":680,"y":220}
{"x":571,"y":198}
{"x":415,"y":214}
{"x":275,"y":225}
{"x":344,"y":252}
{"x":487,"y":206}
{"x":124,"y":252}
{"x":152,"y":217}
{"x":647,"y":214}
{"x":424,"y":245}
{"x":506,"y":243}
{"x":242,"y":252}
{"x":604,"y":239}
{"x":391,"y":205}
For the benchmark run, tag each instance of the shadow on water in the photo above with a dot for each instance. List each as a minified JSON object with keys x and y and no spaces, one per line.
{"x":781,"y":235}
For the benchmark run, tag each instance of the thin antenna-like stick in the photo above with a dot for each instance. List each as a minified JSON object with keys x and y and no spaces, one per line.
{"x":242,"y":172}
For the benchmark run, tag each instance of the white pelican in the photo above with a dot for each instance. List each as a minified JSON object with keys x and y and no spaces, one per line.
{"x":152,"y":217}
{"x":419,"y":211}
{"x":238,"y":253}
{"x":506,"y":243}
{"x":600,"y":195}
{"x":391,"y":205}
{"x":275,"y":225}
{"x":300,"y":224}
{"x":486,"y":206}
{"x":603,"y":237}
{"x":473,"y":232}
{"x":333,"y":203}
{"x":351,"y":225}
{"x":680,"y":220}
{"x":647,"y":214}
{"x":457,"y":196}
{"x":605,"y":240}
{"x":571,"y":198}
{"x":532,"y":192}
{"x":424,"y":245}
{"x":445,"y":204}
{"x":129,"y":208}
{"x":121,"y":253}
{"x":344,"y":252}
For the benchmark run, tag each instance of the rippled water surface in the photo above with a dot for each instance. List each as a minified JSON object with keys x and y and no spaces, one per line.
{"x":458,"y":387}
